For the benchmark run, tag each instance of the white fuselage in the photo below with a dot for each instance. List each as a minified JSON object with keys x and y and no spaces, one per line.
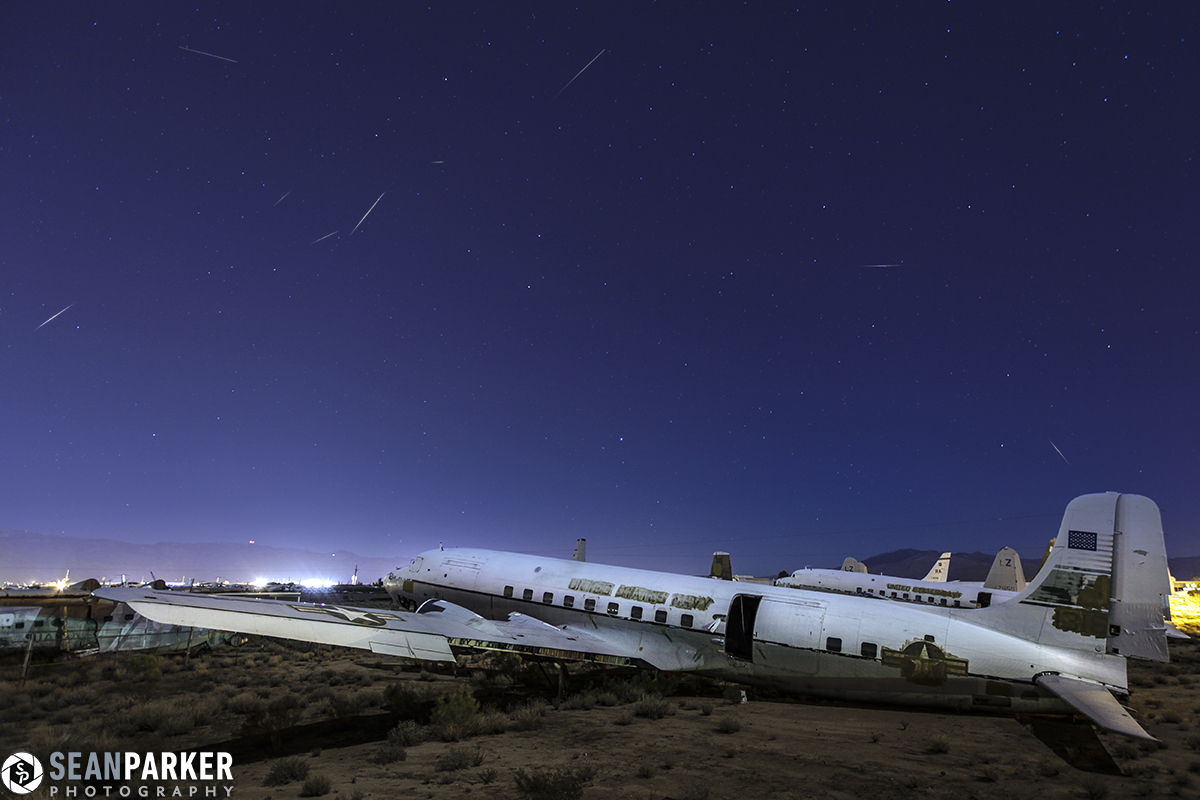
{"x":952,"y":594}
{"x":821,"y":643}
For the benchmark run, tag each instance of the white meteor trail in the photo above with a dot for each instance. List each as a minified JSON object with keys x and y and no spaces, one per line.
{"x":281,"y":198}
{"x":880,"y":266}
{"x":1060,"y":455}
{"x":47,"y":322}
{"x":577,"y":74}
{"x":369,"y":210}
{"x":323,"y":238}
{"x":210,"y":55}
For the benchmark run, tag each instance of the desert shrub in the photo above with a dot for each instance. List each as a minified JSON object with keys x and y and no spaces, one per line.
{"x":644,"y":771}
{"x":1094,"y":788}
{"x":455,"y":716}
{"x":407,"y":733}
{"x":286,"y":770}
{"x":143,"y":667}
{"x":624,"y":719}
{"x":607,"y":699}
{"x":527,"y":718}
{"x":553,"y":784}
{"x":280,"y":713}
{"x":316,"y":786}
{"x":491,"y":722}
{"x":584,"y":701}
{"x":347,"y":704}
{"x":457,"y":758}
{"x":706,"y":709}
{"x":935,"y":745}
{"x":734,"y":694}
{"x":407,"y":701}
{"x":1193,"y":741}
{"x":729,"y":725}
{"x":488,"y":775}
{"x":393,"y":748}
{"x":651,"y":707}
{"x":245,"y":703}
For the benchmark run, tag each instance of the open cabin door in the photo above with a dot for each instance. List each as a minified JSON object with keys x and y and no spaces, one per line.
{"x":793,"y":624}
{"x":739,"y":626}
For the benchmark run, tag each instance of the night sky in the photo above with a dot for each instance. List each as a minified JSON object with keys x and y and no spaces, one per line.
{"x":794,"y":283}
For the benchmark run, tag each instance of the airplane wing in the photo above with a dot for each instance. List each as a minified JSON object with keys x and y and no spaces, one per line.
{"x":432,"y":633}
{"x":1096,"y":703}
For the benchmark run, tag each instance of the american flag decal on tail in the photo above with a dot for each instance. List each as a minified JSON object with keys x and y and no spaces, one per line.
{"x":1081,"y":540}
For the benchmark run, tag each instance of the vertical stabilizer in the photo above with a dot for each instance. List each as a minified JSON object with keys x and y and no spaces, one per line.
{"x":1006,"y":573}
{"x":580,"y":553}
{"x":852,"y":564}
{"x":722,"y":567}
{"x":1102,"y":585}
{"x":1141,"y":582}
{"x":940,"y":569}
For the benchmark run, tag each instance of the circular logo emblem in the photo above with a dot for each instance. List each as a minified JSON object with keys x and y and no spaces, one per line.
{"x":21,"y":773}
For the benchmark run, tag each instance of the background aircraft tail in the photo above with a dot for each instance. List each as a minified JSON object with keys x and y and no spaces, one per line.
{"x":1103,"y":585}
{"x":722,"y":567}
{"x":1006,"y":573}
{"x":852,"y":564}
{"x":940,"y":569}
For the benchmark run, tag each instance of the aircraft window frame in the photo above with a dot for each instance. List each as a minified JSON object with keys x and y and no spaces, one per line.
{"x":635,"y":612}
{"x":568,"y":601}
{"x":58,"y":623}
{"x":548,"y":597}
{"x":39,"y":623}
{"x":614,"y":609}
{"x":108,"y":618}
{"x":660,"y":615}
{"x":508,"y":591}
{"x":893,"y":594}
{"x":527,"y":594}
{"x":905,"y":595}
{"x":944,"y":601}
{"x":686,"y":621}
{"x":589,"y":604}
{"x":19,"y":625}
{"x":833,"y":644}
{"x":868,"y":650}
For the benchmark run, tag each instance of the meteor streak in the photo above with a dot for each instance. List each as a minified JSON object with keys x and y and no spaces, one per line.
{"x":210,"y":55}
{"x":47,"y":322}
{"x":369,"y":210}
{"x":577,"y":74}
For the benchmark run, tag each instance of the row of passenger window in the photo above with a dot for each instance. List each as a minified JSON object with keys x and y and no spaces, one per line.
{"x":904,"y":596}
{"x":56,"y":622}
{"x":614,"y":609}
{"x":867,"y":650}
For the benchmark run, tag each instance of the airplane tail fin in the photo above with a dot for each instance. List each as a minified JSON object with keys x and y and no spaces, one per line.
{"x":852,"y":564}
{"x":1103,"y":583}
{"x":940,"y":569}
{"x":1006,"y":573}
{"x":580,"y":553}
{"x":722,"y":567}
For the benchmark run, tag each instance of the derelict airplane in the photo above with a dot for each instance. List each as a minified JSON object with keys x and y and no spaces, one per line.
{"x":1004,"y":580}
{"x":1057,"y":648}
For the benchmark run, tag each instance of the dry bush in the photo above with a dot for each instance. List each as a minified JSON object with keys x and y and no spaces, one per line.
{"x":652,"y":707}
{"x":458,"y":758}
{"x":316,"y":786}
{"x":729,"y":725}
{"x":286,"y":770}
{"x":529,"y":717}
{"x":553,"y":784}
{"x":936,"y":745}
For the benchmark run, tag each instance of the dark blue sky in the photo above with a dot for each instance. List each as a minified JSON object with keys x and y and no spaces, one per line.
{"x":641,"y":310}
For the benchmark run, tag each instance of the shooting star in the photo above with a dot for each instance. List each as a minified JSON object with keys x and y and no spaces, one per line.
{"x":47,"y":322}
{"x":281,"y":198}
{"x":210,"y":55}
{"x":577,"y":74}
{"x":1060,"y":455}
{"x":369,"y":210}
{"x":880,"y":266}
{"x":323,"y":238}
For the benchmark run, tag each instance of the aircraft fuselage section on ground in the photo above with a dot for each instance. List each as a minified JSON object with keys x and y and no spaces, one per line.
{"x":812,"y":642}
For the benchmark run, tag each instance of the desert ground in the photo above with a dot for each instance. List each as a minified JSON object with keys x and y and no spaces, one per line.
{"x":308,"y":721}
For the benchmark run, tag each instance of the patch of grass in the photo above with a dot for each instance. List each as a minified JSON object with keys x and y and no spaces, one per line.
{"x":458,"y":758}
{"x":316,"y":786}
{"x":286,"y":770}
{"x":729,"y":725}
{"x":527,"y":718}
{"x":651,"y":707}
{"x":936,"y":745}
{"x":553,"y":784}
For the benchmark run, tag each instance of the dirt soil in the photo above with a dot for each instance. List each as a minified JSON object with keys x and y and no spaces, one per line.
{"x":327,"y":710}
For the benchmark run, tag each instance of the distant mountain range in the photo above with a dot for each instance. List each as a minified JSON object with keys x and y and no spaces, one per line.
{"x":28,"y":557}
{"x":975,"y":566}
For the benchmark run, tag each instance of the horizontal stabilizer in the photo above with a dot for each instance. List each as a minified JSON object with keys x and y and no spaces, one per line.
{"x":1096,"y":703}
